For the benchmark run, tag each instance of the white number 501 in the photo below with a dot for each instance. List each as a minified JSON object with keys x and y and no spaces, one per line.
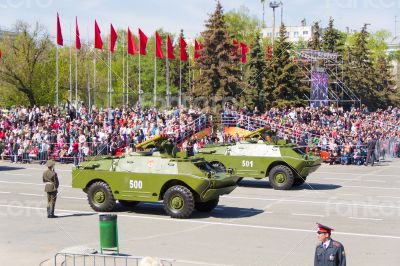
{"x":247,"y":163}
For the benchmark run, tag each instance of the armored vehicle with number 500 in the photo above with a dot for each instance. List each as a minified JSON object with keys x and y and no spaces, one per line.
{"x":285,"y":166}
{"x":182,"y":183}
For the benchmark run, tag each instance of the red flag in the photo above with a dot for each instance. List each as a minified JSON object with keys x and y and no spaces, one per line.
{"x":243,"y":49}
{"x":183,"y":44}
{"x":1,"y":54}
{"x":159,"y":52}
{"x":77,"y":36}
{"x":60,"y":40}
{"x":170,"y":49}
{"x":113,"y":38}
{"x":197,"y":48}
{"x":131,"y":43}
{"x":269,"y":52}
{"x":235,"y":47}
{"x":98,"y":43}
{"x":142,"y":42}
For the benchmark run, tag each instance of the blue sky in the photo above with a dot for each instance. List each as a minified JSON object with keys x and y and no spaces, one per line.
{"x":190,"y":15}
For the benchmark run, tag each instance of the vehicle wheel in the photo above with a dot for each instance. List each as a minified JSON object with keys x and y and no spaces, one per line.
{"x":178,"y":202}
{"x":298,"y":181}
{"x":129,"y":204}
{"x":281,"y":177}
{"x":219,"y":166}
{"x":206,"y":206}
{"x":100,"y":197}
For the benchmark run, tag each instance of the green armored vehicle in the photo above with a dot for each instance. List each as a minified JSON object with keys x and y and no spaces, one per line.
{"x":285,"y":166}
{"x":183,"y":184}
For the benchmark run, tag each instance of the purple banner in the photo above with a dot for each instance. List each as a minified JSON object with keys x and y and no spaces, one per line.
{"x":319,"y":89}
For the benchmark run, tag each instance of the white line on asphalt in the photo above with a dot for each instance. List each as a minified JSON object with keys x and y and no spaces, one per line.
{"x":341,"y":179}
{"x":26,"y":183}
{"x":5,"y":192}
{"x":21,"y":174}
{"x":73,"y":198}
{"x":346,"y":194}
{"x":390,"y":197}
{"x":372,"y":187}
{"x":316,"y":202}
{"x":362,"y":218}
{"x":215,"y":223}
{"x":305,"y":214}
{"x":378,"y":181}
{"x":27,"y":194}
{"x":357,"y":174}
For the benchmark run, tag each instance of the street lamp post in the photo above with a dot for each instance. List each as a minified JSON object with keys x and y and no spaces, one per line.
{"x":274,"y":5}
{"x":263,"y":21}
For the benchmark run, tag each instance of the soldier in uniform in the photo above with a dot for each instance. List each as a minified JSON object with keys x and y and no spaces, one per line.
{"x":328,"y":251}
{"x":51,"y":185}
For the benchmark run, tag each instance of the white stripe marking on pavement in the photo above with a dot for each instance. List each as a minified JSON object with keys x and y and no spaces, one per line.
{"x":316,"y":202}
{"x":378,"y":181}
{"x":27,"y":194}
{"x":73,"y":198}
{"x":372,"y":187}
{"x":21,"y":174}
{"x":357,"y":174}
{"x":26,"y":183}
{"x":305,"y":214}
{"x":216,"y":223}
{"x":390,"y":197}
{"x":5,"y":192}
{"x":363,"y":218}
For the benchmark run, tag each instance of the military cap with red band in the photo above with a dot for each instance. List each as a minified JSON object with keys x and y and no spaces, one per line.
{"x":324,"y":228}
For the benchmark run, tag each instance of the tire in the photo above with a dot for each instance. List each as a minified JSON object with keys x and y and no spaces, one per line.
{"x":100,"y":197}
{"x":129,"y":204}
{"x":298,"y":181}
{"x":178,"y":202}
{"x":281,"y":177}
{"x":219,"y":166}
{"x":206,"y":206}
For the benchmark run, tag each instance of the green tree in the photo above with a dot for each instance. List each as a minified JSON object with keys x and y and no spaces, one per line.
{"x":255,"y":80}
{"x":241,"y":25}
{"x":27,"y":57}
{"x":283,"y":80}
{"x":220,"y":72}
{"x":333,"y":40}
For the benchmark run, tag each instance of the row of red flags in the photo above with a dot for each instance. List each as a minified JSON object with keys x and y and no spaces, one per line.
{"x":132,"y":48}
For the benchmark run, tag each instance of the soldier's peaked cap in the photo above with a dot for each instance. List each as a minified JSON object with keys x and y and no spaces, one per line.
{"x":50,"y":163}
{"x":324,"y":228}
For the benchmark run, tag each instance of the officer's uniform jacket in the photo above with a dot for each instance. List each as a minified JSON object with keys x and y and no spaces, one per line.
{"x":333,"y":255}
{"x":51,"y":181}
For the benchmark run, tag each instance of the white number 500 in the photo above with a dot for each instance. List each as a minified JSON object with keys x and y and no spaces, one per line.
{"x":136,"y":184}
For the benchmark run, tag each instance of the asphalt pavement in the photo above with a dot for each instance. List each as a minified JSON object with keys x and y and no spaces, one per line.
{"x":254,"y":225}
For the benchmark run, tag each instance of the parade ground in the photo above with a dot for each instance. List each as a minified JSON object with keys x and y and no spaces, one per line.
{"x":254,"y":225}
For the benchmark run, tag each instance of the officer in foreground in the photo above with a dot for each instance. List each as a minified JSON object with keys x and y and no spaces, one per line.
{"x":51,"y":185}
{"x":328,"y":251}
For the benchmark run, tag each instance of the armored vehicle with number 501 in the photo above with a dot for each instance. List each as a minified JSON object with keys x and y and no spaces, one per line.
{"x":285,"y":166}
{"x":182,"y":183}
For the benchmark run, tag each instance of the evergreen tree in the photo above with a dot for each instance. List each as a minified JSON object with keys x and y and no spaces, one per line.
{"x":385,"y":85}
{"x":333,"y":39}
{"x":283,"y":81}
{"x":219,"y":67}
{"x":315,"y":42}
{"x":359,"y":71}
{"x":255,"y":80}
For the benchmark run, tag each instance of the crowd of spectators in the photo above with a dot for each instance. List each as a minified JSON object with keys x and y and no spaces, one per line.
{"x":343,"y":135}
{"x":69,"y":135}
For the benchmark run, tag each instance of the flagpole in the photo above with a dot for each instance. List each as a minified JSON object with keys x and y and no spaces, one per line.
{"x":123,"y":70}
{"x":167,"y":74}
{"x":70,"y":65}
{"x":155,"y":73}
{"x":76,"y":79}
{"x":140,"y":87}
{"x":94,"y":77}
{"x":57,"y":74}
{"x":180,"y":83}
{"x":88,"y":74}
{"x":189,"y":70}
{"x":127,"y":78}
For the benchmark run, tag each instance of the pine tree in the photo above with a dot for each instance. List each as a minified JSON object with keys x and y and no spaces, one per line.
{"x":283,"y":81}
{"x":219,"y":69}
{"x":315,"y":42}
{"x":385,"y":83}
{"x":255,"y":80}
{"x":333,"y":39}
{"x":359,"y":71}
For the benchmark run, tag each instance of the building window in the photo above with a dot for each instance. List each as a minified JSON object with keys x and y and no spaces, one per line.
{"x":305,"y":32}
{"x":296,"y":34}
{"x":269,"y":34}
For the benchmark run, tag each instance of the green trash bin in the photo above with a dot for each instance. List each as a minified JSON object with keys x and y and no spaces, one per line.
{"x":108,"y":233}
